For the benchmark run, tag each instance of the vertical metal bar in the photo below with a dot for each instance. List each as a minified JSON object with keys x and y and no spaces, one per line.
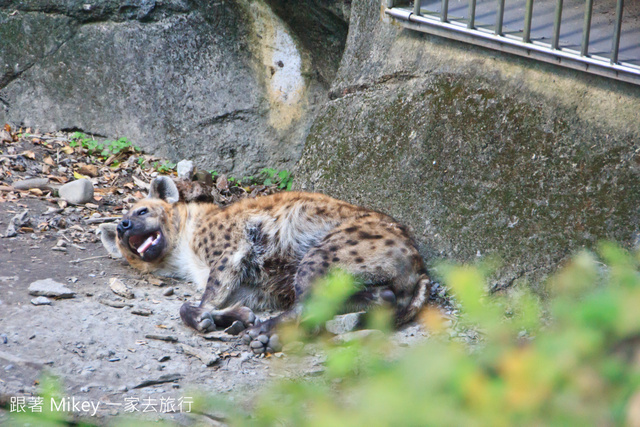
{"x":526,"y":36}
{"x":445,"y":11}
{"x":586,"y":28}
{"x":499,"y":17}
{"x":616,"y":33}
{"x":416,"y":7}
{"x":472,"y":14}
{"x":555,"y":38}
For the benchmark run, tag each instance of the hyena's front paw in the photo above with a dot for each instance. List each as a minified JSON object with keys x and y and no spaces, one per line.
{"x":262,"y":338}
{"x":206,"y":322}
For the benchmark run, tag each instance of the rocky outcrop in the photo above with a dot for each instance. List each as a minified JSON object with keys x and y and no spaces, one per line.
{"x":226,"y":84}
{"x":480,"y":153}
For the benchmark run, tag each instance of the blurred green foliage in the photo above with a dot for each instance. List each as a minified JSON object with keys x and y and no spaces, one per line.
{"x":573,"y":361}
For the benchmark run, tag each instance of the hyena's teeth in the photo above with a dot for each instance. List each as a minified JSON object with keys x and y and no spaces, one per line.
{"x":143,"y":247}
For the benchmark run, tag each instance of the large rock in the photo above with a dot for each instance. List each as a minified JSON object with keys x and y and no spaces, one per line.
{"x":225,"y":84}
{"x":480,"y":153}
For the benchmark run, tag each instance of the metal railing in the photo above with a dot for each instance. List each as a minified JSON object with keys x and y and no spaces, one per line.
{"x":467,"y":30}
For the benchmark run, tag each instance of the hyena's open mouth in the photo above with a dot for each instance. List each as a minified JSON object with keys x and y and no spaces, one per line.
{"x":146,"y":243}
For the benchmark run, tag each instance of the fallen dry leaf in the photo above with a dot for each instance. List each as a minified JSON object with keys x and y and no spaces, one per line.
{"x":49,"y":161}
{"x":5,"y":136}
{"x":77,"y":175}
{"x":29,"y":154}
{"x":89,"y":170}
{"x":67,"y":150}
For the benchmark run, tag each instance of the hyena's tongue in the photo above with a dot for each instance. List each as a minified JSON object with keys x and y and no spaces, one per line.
{"x":147,"y":243}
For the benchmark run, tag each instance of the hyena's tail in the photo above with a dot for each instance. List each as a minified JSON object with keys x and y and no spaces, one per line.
{"x":418,"y":300}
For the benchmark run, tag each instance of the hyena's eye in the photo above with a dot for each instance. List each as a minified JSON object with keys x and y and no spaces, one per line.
{"x":143,"y":211}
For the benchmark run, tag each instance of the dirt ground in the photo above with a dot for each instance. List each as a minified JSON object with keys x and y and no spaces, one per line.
{"x":101,"y":353}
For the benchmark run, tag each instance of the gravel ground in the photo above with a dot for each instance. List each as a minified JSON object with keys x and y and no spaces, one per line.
{"x":108,"y":350}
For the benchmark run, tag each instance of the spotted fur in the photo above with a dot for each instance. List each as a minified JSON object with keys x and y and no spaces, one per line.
{"x":267,"y":252}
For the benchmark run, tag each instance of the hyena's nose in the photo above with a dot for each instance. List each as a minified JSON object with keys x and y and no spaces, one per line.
{"x":124,"y":225}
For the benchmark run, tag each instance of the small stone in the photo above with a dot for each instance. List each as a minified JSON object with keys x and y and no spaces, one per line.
{"x":235,"y":328}
{"x":16,"y":222}
{"x":41,"y":301}
{"x":256,"y":344}
{"x":185,"y":169}
{"x":253,"y":333}
{"x":4,"y":338}
{"x":119,"y":288}
{"x":344,"y":323}
{"x":274,"y":342}
{"x":168,"y":292}
{"x":141,"y":311}
{"x":263,"y":339}
{"x":77,"y":192}
{"x":164,"y":359}
{"x":59,"y":249}
{"x":123,"y":389}
{"x":204,"y":177}
{"x":28,"y":184}
{"x":50,"y":288}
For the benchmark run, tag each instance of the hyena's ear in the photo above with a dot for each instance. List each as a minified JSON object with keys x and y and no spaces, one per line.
{"x":108,"y":237}
{"x":164,"y":188}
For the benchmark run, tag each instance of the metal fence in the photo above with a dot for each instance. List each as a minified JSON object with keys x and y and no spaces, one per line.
{"x":424,"y":16}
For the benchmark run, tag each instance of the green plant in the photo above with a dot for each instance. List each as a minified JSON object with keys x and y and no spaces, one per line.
{"x":79,"y":139}
{"x":117,"y":146}
{"x":164,"y":167}
{"x":570,"y":362}
{"x":282,"y":179}
{"x":104,"y":149}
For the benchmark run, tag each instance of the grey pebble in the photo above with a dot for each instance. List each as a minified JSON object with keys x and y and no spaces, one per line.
{"x":41,"y":301}
{"x":274,"y":342}
{"x":77,"y":192}
{"x":256,"y":344}
{"x":168,"y":292}
{"x":50,"y":288}
{"x":253,"y":333}
{"x":27,"y":184}
{"x":263,"y":339}
{"x":4,"y":338}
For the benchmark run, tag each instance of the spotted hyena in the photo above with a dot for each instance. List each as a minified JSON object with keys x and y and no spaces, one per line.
{"x":267,"y":252}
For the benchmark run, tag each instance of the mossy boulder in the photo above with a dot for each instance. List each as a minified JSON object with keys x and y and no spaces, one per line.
{"x":480,"y":154}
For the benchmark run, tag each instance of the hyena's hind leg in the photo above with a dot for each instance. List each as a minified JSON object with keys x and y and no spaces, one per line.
{"x":382,"y":257}
{"x":203,"y":320}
